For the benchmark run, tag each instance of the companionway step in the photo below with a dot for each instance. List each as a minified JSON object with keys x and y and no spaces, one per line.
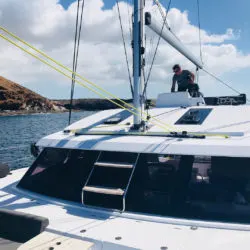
{"x":114,"y":165}
{"x":104,"y":190}
{"x":108,"y":182}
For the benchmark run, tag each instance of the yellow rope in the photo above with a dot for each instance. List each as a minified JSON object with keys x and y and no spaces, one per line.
{"x":70,"y":77}
{"x":84,"y":85}
{"x":58,"y":70}
{"x":84,"y":79}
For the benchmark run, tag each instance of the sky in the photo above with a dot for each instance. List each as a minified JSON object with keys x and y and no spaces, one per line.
{"x":49,"y":25}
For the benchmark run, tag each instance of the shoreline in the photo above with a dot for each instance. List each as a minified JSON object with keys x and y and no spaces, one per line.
{"x":19,"y":112}
{"x":22,"y":112}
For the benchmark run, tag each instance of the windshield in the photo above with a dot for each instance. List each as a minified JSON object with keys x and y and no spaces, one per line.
{"x":193,"y":187}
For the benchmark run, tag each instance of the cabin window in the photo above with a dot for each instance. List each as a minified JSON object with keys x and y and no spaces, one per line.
{"x":193,"y":187}
{"x":59,"y":173}
{"x":182,"y":186}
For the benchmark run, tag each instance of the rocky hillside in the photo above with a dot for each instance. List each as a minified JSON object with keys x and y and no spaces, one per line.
{"x":16,"y":98}
{"x":92,"y":104}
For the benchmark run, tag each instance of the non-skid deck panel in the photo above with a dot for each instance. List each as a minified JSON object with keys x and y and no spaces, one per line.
{"x":49,"y":240}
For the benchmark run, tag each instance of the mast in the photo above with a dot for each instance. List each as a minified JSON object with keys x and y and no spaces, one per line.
{"x":137,"y":59}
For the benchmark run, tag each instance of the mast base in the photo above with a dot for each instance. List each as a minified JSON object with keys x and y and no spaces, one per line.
{"x":142,"y":127}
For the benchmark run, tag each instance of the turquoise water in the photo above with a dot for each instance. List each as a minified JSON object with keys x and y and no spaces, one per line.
{"x":18,"y":132}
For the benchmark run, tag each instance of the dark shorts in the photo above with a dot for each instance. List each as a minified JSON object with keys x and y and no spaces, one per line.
{"x":182,"y":88}
{"x":193,"y":89}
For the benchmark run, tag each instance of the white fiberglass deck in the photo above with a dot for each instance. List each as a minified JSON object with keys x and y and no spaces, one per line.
{"x":222,"y":120}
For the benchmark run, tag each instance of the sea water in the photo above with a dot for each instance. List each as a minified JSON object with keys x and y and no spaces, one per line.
{"x":18,"y":132}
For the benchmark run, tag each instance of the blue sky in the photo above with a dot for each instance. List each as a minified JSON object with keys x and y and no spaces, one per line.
{"x":218,"y":15}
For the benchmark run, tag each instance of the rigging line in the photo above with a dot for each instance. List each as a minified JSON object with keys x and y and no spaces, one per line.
{"x":129,"y":21}
{"x":79,"y":36}
{"x":169,"y":111}
{"x":142,"y":98}
{"x":149,"y":49}
{"x":156,"y":49}
{"x":219,"y":80}
{"x":59,"y":64}
{"x":125,"y":50}
{"x":69,"y":70}
{"x":76,"y":51}
{"x":198,"y":11}
{"x":150,"y":53}
{"x":167,"y":26}
{"x":63,"y":73}
{"x":146,"y":98}
{"x":163,"y":125}
{"x":199,"y":24}
{"x":74,"y":58}
{"x":161,"y":12}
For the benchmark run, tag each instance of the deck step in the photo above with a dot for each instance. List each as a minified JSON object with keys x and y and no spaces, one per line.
{"x":104,"y":190}
{"x":114,"y":165}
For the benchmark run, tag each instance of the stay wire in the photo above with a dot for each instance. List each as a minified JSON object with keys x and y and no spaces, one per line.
{"x":74,"y":56}
{"x":156,"y":49}
{"x":76,"y":52}
{"x":215,"y":77}
{"x":221,"y":81}
{"x":166,"y":24}
{"x":199,"y":25}
{"x":129,"y":21}
{"x":79,"y":38}
{"x":125,"y":50}
{"x":146,"y":99}
{"x":173,"y":110}
{"x":162,"y":14}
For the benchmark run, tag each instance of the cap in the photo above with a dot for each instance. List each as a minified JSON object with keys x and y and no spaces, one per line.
{"x":176,"y":66}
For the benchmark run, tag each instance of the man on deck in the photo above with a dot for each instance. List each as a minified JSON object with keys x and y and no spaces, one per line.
{"x":183,"y":78}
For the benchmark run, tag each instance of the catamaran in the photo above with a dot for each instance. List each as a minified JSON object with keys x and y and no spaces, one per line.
{"x":174,"y":177}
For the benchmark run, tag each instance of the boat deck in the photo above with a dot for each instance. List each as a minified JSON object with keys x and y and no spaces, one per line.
{"x":113,"y":230}
{"x":226,"y":130}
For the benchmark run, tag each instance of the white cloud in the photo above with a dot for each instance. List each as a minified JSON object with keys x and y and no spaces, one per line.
{"x":187,"y":32}
{"x":46,"y":25}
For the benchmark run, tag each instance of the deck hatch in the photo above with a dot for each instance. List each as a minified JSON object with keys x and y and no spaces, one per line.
{"x":114,"y":120}
{"x":194,"y":116}
{"x":117,"y":118}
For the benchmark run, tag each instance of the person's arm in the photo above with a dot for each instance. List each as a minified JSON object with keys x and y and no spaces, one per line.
{"x":173,"y":84}
{"x":192,"y":77}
